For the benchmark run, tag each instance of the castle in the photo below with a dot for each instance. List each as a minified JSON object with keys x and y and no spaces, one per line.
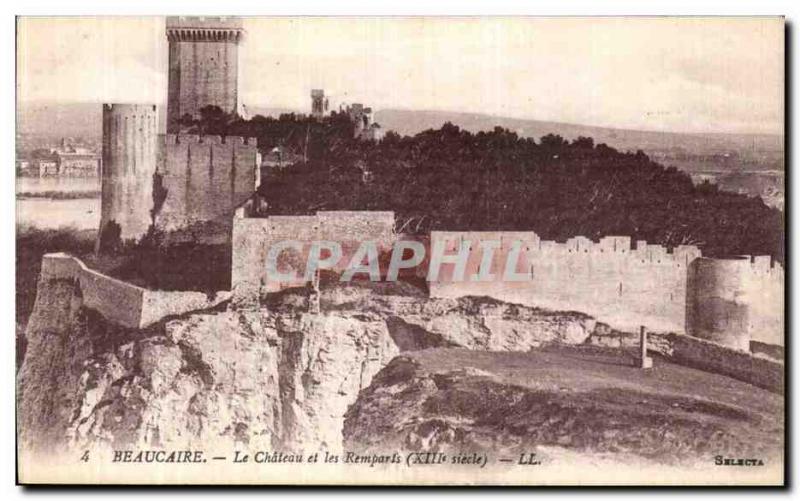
{"x":365,"y":127}
{"x":201,"y":190}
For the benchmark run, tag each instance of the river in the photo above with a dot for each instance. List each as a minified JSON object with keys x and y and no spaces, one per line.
{"x":46,"y":213}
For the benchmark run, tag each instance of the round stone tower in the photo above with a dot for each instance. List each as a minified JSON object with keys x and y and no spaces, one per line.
{"x":717,"y":302}
{"x":203,"y":66}
{"x":128,"y":169}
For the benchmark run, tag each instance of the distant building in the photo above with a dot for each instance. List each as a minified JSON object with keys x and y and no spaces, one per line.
{"x":365,"y":127}
{"x":65,"y":160}
{"x":319,"y":103}
{"x":78,"y":164}
{"x":72,"y":161}
{"x":48,"y":167}
{"x":373,"y":133}
{"x":23,"y":166}
{"x":75,"y":161}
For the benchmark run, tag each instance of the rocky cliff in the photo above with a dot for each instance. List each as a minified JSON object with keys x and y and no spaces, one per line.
{"x":269,"y":377}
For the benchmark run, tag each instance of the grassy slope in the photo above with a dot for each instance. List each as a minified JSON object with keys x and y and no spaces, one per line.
{"x":574,"y":399}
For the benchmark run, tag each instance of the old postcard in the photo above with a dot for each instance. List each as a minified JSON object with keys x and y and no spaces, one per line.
{"x":400,"y":250}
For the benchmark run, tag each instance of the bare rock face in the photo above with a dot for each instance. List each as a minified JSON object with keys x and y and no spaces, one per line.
{"x":504,"y":328}
{"x":477,"y":323}
{"x":49,"y":388}
{"x":205,"y":379}
{"x":239,"y":377}
{"x":208,"y":379}
{"x":326,"y":360}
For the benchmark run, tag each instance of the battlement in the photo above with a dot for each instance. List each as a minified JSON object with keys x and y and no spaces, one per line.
{"x":252,"y":237}
{"x":204,"y":29}
{"x":173,"y":139}
{"x":206,"y":177}
{"x":578,"y":246}
{"x":205,"y":22}
{"x":763,"y":265}
{"x":130,"y":107}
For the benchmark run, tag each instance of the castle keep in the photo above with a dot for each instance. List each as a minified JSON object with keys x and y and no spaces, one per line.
{"x":184,"y":185}
{"x":203,"y":66}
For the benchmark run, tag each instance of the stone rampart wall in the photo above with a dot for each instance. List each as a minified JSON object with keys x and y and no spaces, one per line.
{"x":120,"y":302}
{"x":204,"y":178}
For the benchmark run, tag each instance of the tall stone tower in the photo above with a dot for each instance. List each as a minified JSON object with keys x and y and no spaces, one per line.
{"x":129,"y":163}
{"x":203,"y":66}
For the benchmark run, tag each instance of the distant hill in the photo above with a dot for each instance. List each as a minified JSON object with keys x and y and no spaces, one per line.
{"x":409,"y":122}
{"x":84,"y":120}
{"x":60,"y":119}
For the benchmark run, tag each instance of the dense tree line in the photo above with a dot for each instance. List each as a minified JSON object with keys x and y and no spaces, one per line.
{"x":452,"y":179}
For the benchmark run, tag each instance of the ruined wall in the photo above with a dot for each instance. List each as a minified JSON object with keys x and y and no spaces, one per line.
{"x":204,"y":179}
{"x":129,"y":163}
{"x":252,"y":238}
{"x":203,"y":66}
{"x":120,"y":302}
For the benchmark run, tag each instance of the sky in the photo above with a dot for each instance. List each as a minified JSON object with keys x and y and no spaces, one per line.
{"x":670,"y":74}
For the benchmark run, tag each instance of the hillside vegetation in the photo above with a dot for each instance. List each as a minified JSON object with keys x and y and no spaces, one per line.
{"x":452,"y":179}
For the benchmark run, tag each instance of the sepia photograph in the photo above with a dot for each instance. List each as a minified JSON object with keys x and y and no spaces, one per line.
{"x":401,"y":250}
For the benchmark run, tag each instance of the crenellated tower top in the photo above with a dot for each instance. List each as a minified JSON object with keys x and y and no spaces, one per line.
{"x":203,"y":66}
{"x":204,"y":29}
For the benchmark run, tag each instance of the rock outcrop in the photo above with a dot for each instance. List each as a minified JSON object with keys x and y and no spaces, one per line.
{"x":239,"y":377}
{"x":276,"y":377}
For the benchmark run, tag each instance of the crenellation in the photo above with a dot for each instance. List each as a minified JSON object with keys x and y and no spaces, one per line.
{"x":211,"y":139}
{"x":189,"y":138}
{"x":206,"y":177}
{"x":762,"y":263}
{"x":656,"y":253}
